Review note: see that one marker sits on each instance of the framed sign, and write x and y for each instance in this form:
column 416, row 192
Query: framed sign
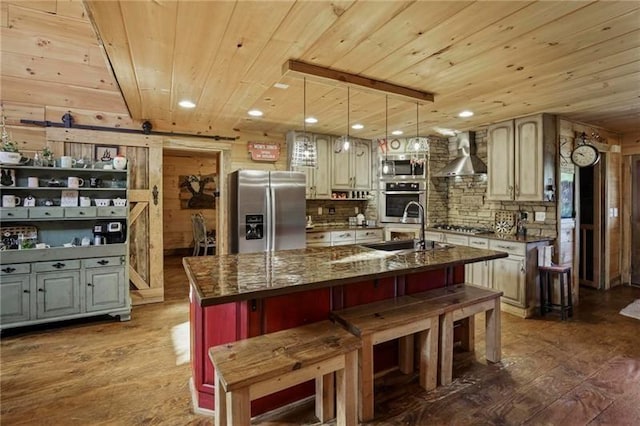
column 106, row 152
column 264, row 151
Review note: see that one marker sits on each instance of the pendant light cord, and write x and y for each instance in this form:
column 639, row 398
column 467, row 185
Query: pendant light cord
column 386, row 128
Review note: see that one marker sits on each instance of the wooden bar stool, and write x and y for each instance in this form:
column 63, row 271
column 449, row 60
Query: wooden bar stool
column 252, row 368
column 547, row 274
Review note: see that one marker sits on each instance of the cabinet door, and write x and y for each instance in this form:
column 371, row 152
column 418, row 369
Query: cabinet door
column 105, row 288
column 340, row 166
column 362, row 165
column 529, row 159
column 14, row 298
column 58, row 294
column 509, row 277
column 478, row 273
column 308, row 177
column 322, row 177
column 500, row 165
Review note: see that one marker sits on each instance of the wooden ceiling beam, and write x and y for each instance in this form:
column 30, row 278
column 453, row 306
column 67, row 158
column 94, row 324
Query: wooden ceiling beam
column 303, row 69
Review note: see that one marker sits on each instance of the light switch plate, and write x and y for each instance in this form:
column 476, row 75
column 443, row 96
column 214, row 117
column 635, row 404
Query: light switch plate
column 540, row 216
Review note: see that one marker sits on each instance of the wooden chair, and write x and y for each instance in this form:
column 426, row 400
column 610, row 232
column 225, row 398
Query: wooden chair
column 252, row 368
column 201, row 240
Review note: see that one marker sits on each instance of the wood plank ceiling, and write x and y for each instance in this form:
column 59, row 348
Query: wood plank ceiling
column 500, row 60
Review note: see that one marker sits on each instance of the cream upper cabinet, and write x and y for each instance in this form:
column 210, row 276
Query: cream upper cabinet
column 318, row 179
column 521, row 158
column 351, row 168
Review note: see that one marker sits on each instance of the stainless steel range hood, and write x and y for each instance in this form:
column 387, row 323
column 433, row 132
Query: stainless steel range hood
column 466, row 162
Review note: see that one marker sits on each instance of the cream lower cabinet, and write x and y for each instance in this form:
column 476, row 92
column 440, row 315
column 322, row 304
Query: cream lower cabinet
column 479, row 273
column 509, row 277
column 345, row 237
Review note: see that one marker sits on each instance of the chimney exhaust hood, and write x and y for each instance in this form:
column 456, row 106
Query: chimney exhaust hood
column 466, row 162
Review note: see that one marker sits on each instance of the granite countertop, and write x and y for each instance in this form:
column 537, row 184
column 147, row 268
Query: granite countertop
column 501, row 237
column 328, row 228
column 235, row 277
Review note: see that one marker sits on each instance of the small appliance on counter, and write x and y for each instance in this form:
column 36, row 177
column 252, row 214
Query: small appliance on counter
column 109, row 232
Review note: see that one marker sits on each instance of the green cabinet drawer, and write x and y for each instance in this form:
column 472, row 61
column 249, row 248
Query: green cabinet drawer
column 56, row 265
column 99, row 262
column 45, row 212
column 15, row 268
column 112, row 211
column 14, row 213
column 74, row 212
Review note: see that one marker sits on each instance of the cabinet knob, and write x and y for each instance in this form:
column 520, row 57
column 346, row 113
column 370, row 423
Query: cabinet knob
column 47, row 214
column 59, row 265
column 9, row 214
column 26, row 291
column 89, row 285
column 8, row 270
column 81, row 213
column 103, row 262
column 41, row 290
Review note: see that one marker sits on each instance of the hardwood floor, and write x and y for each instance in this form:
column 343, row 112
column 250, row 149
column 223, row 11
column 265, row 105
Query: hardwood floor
column 103, row 372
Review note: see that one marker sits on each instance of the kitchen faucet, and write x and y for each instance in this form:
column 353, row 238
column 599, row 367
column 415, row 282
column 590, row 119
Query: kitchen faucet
column 421, row 212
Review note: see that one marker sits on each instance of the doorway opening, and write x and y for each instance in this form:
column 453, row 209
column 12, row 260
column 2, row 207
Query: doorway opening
column 635, row 220
column 191, row 184
column 591, row 249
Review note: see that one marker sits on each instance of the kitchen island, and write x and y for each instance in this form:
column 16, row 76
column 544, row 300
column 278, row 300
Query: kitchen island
column 237, row 296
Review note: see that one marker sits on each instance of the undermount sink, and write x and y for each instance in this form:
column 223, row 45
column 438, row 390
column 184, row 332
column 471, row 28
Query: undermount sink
column 398, row 245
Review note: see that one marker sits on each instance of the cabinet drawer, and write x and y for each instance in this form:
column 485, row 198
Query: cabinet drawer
column 112, row 211
column 14, row 213
column 80, row 212
column 99, row 262
column 343, row 237
column 482, row 243
column 15, row 268
column 433, row 236
column 517, row 249
column 460, row 240
column 318, row 237
column 56, row 265
column 45, row 212
column 369, row 234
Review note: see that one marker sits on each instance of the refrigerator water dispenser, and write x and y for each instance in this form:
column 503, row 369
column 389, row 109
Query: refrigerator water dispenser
column 255, row 226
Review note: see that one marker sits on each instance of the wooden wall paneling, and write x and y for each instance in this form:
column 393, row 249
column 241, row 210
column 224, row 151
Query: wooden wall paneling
column 614, row 250
column 14, row 112
column 177, row 220
column 70, row 9
column 626, row 194
column 24, row 18
column 28, row 139
column 56, row 71
column 43, row 45
column 86, row 117
column 49, row 6
column 4, row 14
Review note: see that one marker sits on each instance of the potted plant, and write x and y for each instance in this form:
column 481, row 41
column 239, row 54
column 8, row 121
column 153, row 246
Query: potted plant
column 47, row 157
column 8, row 150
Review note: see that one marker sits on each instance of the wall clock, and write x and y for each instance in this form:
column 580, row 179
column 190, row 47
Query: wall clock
column 585, row 155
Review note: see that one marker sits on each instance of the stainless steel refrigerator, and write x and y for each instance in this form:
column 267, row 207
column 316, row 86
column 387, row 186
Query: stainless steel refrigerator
column 267, row 211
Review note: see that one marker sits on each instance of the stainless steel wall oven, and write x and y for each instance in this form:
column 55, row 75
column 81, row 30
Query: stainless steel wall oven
column 396, row 195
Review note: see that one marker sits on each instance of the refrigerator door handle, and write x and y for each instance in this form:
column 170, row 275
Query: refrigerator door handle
column 272, row 220
column 268, row 222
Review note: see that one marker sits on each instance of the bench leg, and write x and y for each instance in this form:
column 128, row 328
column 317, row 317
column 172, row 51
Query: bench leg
column 365, row 396
column 469, row 333
column 238, row 408
column 220, row 403
column 492, row 334
column 346, row 391
column 429, row 356
column 446, row 348
column 405, row 346
column 325, row 398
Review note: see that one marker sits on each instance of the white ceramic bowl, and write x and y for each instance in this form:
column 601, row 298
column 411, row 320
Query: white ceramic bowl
column 102, row 202
column 119, row 202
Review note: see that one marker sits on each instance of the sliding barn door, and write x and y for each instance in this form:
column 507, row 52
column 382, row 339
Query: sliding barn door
column 144, row 162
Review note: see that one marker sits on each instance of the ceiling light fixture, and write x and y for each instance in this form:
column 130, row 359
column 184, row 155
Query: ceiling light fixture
column 397, row 132
column 281, row 86
column 465, row 114
column 357, row 126
column 311, row 120
column 343, row 143
column 255, row 113
column 385, row 167
column 185, row 103
column 304, row 151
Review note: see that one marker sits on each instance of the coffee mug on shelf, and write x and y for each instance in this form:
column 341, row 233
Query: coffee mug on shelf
column 32, row 182
column 67, row 161
column 95, row 182
column 10, row 201
column 119, row 162
column 75, row 182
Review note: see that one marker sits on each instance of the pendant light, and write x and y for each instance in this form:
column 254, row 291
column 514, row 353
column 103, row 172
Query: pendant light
column 385, row 167
column 343, row 143
column 304, row 153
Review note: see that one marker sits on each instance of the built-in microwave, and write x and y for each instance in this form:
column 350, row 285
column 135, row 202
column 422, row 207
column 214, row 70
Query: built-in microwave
column 394, row 198
column 401, row 166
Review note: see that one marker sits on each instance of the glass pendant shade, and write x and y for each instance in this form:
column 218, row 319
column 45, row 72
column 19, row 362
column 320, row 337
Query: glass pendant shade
column 304, row 152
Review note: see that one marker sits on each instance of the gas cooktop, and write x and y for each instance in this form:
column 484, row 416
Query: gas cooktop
column 462, row 229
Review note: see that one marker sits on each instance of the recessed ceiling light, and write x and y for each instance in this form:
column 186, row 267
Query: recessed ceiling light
column 445, row 132
column 281, row 86
column 185, row 103
column 311, row 120
column 255, row 113
column 357, row 126
column 397, row 132
column 465, row 114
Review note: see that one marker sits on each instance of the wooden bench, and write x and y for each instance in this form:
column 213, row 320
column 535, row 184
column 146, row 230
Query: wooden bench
column 249, row 369
column 378, row 322
column 462, row 302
